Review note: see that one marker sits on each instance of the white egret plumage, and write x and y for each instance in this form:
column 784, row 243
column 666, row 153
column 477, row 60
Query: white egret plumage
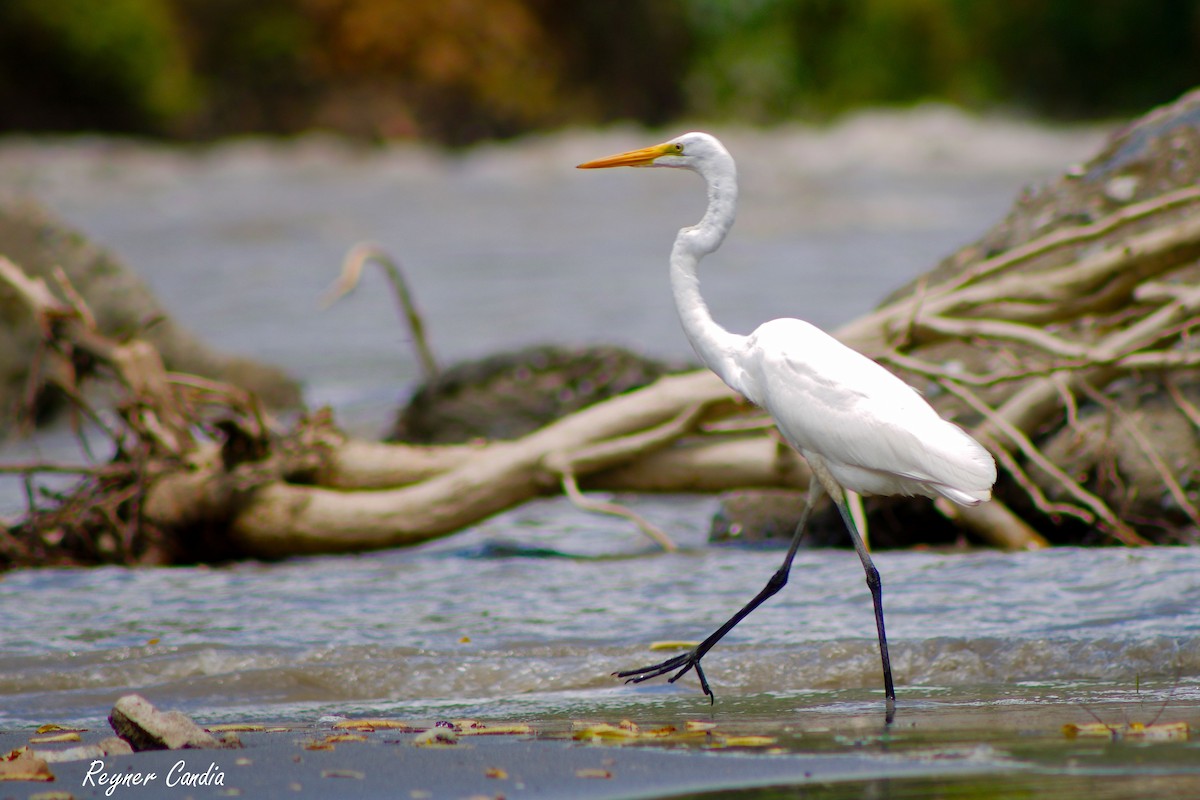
column 859, row 427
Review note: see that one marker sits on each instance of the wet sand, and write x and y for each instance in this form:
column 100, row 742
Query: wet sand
column 927, row 755
column 386, row 764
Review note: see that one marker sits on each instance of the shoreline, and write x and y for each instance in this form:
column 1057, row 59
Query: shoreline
column 1006, row 752
column 300, row 762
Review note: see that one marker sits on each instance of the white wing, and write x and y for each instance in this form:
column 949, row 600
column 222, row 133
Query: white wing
column 874, row 432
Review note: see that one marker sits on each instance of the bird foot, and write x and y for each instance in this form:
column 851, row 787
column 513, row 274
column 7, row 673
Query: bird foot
column 680, row 664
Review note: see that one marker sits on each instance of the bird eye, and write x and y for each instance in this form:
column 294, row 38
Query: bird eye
column 679, row 147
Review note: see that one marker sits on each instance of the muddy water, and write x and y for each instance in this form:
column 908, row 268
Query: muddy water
column 526, row 614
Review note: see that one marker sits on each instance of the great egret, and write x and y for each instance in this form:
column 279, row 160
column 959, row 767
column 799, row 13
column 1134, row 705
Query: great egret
column 859, row 427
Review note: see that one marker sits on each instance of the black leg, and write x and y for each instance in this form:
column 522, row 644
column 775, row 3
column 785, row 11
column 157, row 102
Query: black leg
column 691, row 660
column 876, row 587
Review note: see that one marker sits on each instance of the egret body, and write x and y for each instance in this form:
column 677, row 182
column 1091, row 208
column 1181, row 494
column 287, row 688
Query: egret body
column 859, row 427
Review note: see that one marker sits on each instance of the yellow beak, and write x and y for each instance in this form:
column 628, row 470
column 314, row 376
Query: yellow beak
column 634, row 158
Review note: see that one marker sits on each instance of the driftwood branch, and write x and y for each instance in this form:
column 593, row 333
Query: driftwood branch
column 581, row 501
column 1148, row 450
column 615, row 451
column 1014, row 435
column 352, row 266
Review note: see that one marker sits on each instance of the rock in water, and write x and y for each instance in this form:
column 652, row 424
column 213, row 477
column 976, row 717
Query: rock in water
column 509, row 395
column 146, row 728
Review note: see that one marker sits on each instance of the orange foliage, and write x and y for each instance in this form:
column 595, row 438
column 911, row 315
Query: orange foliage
column 492, row 55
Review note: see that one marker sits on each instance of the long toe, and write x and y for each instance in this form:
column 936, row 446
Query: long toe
column 654, row 670
column 704, row 687
column 645, row 673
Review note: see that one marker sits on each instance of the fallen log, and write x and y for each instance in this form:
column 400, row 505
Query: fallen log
column 287, row 519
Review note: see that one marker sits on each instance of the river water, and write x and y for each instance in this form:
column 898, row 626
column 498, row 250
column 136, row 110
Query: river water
column 526, row 614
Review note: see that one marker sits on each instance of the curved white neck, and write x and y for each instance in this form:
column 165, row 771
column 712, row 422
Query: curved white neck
column 713, row 344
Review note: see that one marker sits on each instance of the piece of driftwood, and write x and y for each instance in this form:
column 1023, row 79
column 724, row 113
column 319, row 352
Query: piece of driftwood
column 287, row 518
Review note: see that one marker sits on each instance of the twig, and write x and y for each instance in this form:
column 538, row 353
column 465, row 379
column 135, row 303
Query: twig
column 1118, row 529
column 571, row 490
column 1160, row 291
column 743, row 424
column 1189, row 410
column 937, row 372
column 226, row 397
column 1068, row 401
column 1135, row 433
column 616, row 451
column 74, row 299
column 31, row 467
column 33, row 291
column 1032, row 403
column 918, row 299
column 1004, row 330
column 1160, row 359
column 30, row 500
column 209, row 386
column 1162, row 324
column 1074, row 355
column 1095, row 282
column 1040, row 501
column 1066, row 237
column 352, row 266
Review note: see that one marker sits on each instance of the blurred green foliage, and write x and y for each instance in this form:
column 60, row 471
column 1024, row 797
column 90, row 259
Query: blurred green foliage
column 460, row 70
column 769, row 60
column 107, row 64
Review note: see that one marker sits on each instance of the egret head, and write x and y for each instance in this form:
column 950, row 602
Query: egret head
column 691, row 151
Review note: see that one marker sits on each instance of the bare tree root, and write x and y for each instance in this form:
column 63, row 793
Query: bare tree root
column 1004, row 287
column 1148, row 450
column 1098, row 508
column 1050, row 322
